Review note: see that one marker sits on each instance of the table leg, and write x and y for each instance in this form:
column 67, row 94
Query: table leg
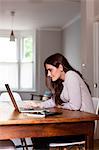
column 90, row 139
column 89, row 143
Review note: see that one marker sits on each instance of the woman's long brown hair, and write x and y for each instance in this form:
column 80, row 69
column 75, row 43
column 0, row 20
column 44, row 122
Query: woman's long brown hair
column 56, row 60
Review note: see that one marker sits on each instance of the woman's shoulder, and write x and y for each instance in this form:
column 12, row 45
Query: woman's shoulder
column 71, row 73
column 71, row 77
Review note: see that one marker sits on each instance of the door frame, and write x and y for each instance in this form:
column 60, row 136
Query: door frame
column 95, row 57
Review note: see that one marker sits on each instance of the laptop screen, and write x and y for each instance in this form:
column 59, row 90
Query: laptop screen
column 12, row 97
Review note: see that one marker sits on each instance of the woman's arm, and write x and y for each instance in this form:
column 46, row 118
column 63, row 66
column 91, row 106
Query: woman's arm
column 45, row 104
column 50, row 103
column 41, row 104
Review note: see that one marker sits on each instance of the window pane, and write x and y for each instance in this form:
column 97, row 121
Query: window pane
column 9, row 74
column 26, row 75
column 8, row 52
column 27, row 49
column 16, row 63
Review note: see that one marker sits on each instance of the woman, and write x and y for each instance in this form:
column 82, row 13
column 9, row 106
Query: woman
column 70, row 91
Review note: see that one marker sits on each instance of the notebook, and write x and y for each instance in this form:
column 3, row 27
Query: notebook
column 32, row 112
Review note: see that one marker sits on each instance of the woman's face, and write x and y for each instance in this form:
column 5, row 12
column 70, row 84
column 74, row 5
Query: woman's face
column 53, row 72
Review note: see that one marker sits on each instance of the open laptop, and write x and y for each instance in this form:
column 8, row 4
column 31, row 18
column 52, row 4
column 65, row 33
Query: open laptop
column 18, row 108
column 35, row 112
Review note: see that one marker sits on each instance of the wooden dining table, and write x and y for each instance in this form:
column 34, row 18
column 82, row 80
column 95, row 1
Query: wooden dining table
column 19, row 125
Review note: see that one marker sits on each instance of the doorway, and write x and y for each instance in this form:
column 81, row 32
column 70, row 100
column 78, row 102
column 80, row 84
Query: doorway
column 96, row 58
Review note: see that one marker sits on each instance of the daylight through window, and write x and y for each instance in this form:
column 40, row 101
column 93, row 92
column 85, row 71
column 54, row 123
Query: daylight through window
column 17, row 63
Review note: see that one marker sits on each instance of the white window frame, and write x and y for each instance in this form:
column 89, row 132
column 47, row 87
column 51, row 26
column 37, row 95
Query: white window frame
column 19, row 36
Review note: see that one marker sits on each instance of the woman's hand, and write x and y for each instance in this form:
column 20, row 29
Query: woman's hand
column 59, row 106
column 31, row 104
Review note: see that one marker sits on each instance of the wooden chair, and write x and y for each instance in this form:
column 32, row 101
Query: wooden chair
column 34, row 96
column 47, row 94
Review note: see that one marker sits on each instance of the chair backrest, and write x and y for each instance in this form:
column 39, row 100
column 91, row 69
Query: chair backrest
column 96, row 107
column 96, row 104
column 5, row 97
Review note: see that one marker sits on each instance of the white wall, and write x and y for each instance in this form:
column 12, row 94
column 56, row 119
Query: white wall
column 48, row 43
column 72, row 42
column 87, row 40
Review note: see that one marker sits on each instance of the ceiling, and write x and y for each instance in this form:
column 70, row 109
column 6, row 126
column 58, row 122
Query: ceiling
column 30, row 14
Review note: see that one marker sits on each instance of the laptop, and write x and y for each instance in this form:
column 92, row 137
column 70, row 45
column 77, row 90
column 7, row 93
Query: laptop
column 17, row 107
column 35, row 112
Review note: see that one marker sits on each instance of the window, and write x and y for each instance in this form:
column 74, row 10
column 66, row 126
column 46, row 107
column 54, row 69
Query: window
column 17, row 63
